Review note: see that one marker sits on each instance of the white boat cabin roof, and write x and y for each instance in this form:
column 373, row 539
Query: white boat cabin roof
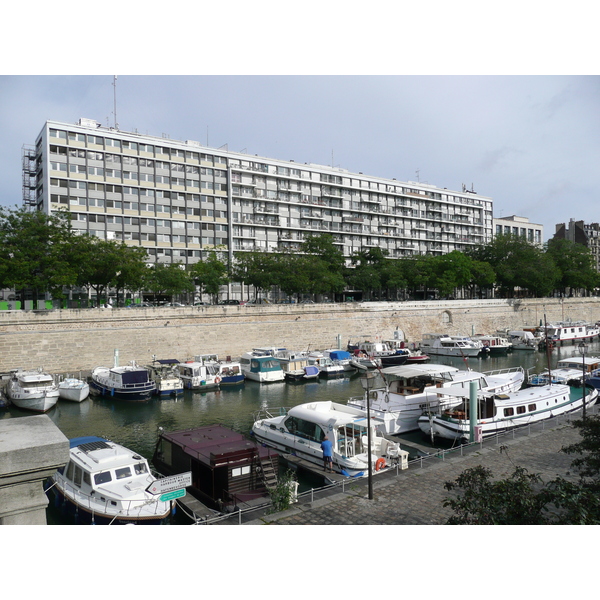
column 407, row 371
column 329, row 413
column 100, row 455
column 577, row 361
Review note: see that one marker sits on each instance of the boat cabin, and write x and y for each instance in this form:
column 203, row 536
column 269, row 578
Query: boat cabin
column 227, row 468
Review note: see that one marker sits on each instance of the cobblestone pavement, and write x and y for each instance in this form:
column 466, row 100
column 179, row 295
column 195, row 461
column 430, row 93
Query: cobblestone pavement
column 415, row 496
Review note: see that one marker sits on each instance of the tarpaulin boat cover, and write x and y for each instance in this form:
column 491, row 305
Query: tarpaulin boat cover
column 339, row 355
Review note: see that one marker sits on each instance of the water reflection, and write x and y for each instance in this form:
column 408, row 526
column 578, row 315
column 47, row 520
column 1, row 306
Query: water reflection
column 135, row 425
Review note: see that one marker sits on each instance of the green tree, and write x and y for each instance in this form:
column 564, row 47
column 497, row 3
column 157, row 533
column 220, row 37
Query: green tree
column 575, row 264
column 518, row 264
column 210, row 274
column 367, row 270
column 168, row 279
column 37, row 251
column 254, row 268
column 517, row 500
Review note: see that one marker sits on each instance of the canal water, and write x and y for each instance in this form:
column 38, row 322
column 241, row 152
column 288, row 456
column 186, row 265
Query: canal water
column 136, row 425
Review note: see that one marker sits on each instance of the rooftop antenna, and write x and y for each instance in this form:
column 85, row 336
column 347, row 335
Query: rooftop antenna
column 417, row 172
column 115, row 100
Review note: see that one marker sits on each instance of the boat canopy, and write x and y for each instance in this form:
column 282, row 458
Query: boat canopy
column 339, row 355
column 407, row 371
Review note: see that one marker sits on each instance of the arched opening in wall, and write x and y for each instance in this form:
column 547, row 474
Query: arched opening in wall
column 447, row 317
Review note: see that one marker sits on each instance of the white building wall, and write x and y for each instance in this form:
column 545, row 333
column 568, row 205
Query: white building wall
column 177, row 199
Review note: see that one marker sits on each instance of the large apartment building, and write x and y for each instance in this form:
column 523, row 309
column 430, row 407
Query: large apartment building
column 179, row 199
column 520, row 226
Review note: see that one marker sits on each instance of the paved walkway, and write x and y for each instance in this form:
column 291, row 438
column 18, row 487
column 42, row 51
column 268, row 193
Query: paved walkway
column 415, row 496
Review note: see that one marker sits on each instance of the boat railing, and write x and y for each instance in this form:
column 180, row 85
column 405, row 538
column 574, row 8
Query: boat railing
column 246, row 515
column 129, row 507
column 504, row 371
column 269, row 413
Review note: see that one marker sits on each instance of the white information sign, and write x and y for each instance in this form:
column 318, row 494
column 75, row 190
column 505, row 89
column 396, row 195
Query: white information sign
column 170, row 484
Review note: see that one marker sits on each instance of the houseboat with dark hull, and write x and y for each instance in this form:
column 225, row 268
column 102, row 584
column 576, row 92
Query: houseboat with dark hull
column 228, row 470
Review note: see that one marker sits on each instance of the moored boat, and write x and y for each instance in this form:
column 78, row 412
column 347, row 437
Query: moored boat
column 228, row 470
column 73, row 389
column 326, row 366
column 301, row 430
column 497, row 413
column 130, row 382
column 397, row 398
column 198, row 375
column 105, row 483
column 446, row 345
column 32, row 390
column 165, row 376
column 262, row 366
column 496, row 344
column 228, row 371
column 559, row 333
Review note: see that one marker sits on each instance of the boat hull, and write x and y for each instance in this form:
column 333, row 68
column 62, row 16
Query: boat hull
column 121, row 394
column 74, row 393
column 36, row 403
column 459, row 429
column 85, row 515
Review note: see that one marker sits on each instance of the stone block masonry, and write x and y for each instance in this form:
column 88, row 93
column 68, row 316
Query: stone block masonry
column 79, row 340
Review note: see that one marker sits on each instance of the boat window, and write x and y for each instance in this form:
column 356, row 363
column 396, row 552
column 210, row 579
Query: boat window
column 509, row 412
column 240, row 471
column 70, row 471
column 531, row 407
column 100, row 478
column 520, row 410
column 77, row 476
column 86, row 478
column 123, row 473
column 304, row 429
column 140, row 468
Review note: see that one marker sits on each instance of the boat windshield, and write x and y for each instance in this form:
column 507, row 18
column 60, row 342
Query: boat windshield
column 140, row 468
column 123, row 472
column 104, row 477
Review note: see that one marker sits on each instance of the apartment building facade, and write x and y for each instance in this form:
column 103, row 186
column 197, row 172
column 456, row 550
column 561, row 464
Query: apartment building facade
column 180, row 199
column 520, row 226
column 580, row 232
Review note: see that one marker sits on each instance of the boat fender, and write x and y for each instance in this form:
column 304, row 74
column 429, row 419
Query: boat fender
column 345, row 473
column 217, row 379
column 380, row 464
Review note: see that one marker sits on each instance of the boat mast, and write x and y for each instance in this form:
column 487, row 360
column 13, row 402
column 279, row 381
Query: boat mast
column 547, row 351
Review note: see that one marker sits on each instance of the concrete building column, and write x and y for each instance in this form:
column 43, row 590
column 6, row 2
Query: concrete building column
column 31, row 450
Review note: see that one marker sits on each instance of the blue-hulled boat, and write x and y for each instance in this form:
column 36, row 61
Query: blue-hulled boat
column 130, row 382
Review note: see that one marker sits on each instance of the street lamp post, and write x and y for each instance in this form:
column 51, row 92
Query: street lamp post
column 582, row 349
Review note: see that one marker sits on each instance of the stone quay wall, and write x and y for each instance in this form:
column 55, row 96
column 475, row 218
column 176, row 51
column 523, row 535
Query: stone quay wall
column 68, row 341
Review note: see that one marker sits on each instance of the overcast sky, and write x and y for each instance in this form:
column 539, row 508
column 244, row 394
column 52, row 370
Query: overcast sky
column 530, row 142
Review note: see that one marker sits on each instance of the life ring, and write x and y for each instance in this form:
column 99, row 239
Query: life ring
column 217, row 379
column 380, row 464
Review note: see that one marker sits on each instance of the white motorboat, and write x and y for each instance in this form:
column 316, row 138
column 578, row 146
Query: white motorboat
column 298, row 368
column 32, row 390
column 398, row 397
column 198, row 375
column 325, row 364
column 261, row 365
column 301, row 431
column 73, row 389
column 165, row 376
column 340, row 357
column 557, row 333
column 446, row 345
column 497, row 413
column 496, row 344
column 523, row 340
column 570, row 371
column 106, row 483
column 229, row 371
